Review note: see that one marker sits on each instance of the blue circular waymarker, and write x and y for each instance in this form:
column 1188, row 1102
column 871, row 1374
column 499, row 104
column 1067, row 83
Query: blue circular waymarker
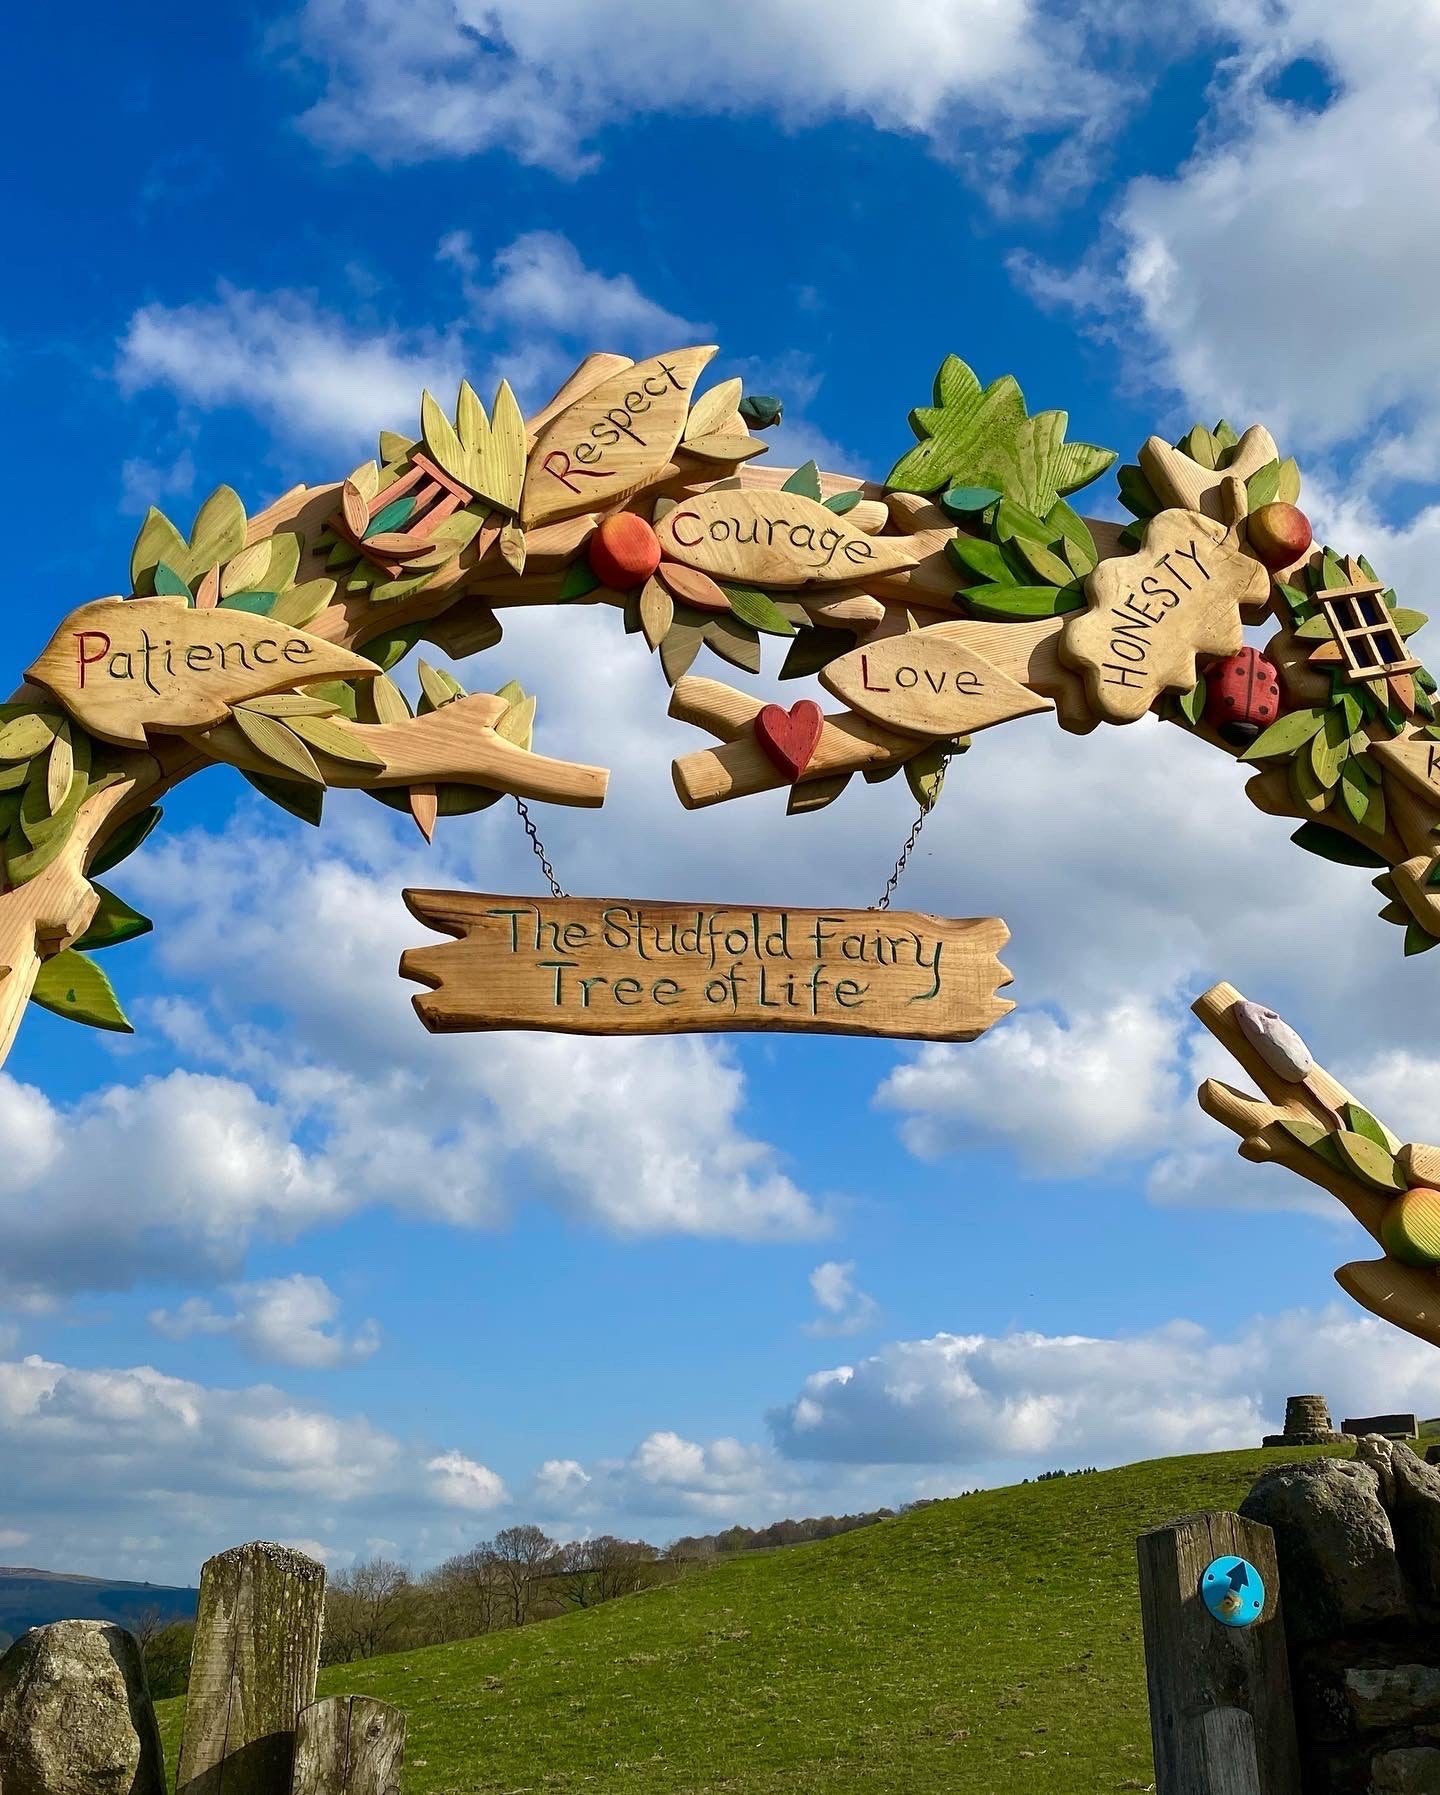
column 1234, row 1591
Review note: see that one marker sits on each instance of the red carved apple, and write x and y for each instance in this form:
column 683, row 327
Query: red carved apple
column 1410, row 1227
column 623, row 552
column 1278, row 534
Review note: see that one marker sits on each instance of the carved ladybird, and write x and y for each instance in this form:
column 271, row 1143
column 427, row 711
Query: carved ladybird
column 1242, row 695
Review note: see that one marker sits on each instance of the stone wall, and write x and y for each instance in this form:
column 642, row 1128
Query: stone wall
column 1358, row 1544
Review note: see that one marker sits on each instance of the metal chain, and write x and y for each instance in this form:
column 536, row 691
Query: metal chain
column 538, row 849
column 883, row 902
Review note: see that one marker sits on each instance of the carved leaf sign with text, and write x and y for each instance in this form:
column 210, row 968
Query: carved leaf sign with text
column 776, row 539
column 615, row 440
column 1152, row 612
column 625, row 966
column 122, row 666
column 927, row 684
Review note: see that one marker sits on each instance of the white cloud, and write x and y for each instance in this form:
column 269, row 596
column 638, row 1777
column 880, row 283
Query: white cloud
column 195, row 1165
column 283, row 1321
column 1281, row 271
column 153, row 1431
column 1063, row 1096
column 541, row 79
column 307, row 370
column 315, row 375
column 541, row 285
column 1050, row 1399
column 458, row 1482
column 353, row 1106
column 844, row 1309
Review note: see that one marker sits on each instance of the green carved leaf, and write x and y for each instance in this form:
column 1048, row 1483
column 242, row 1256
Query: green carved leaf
column 123, row 843
column 71, row 985
column 114, row 921
column 168, row 583
column 813, row 649
column 1288, row 733
column 1331, row 844
column 977, row 555
column 157, row 541
column 1005, row 603
column 304, row 801
column 758, row 610
column 218, row 533
column 805, row 480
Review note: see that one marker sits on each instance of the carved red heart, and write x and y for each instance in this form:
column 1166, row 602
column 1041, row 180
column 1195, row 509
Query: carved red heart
column 790, row 737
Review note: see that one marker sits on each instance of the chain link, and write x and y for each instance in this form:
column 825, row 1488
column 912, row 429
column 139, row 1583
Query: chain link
column 538, row 849
column 883, row 901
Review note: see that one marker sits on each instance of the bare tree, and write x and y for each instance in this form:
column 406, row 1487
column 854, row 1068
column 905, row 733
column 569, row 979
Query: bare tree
column 468, row 1593
column 589, row 1571
column 366, row 1606
column 524, row 1558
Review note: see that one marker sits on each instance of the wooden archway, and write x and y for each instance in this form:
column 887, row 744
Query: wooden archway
column 959, row 593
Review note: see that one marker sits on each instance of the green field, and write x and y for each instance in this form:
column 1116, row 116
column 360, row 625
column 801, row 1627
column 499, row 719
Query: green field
column 987, row 1644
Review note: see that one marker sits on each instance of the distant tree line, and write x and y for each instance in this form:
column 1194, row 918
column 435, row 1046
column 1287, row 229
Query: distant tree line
column 520, row 1575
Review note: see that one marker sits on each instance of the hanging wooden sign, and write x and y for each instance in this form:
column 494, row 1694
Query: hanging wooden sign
column 928, row 684
column 776, row 539
column 121, row 666
column 613, row 441
column 1152, row 612
column 626, row 966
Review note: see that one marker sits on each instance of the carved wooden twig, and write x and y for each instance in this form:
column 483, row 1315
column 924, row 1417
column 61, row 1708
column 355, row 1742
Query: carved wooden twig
column 1407, row 1296
column 847, row 744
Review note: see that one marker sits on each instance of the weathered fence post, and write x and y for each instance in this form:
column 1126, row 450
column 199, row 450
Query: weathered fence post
column 349, row 1745
column 256, row 1654
column 1221, row 1716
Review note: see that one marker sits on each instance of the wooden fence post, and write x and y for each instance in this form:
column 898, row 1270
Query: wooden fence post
column 256, row 1654
column 349, row 1745
column 1221, row 1717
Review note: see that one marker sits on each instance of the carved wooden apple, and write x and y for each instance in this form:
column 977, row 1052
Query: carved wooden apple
column 1410, row 1227
column 623, row 552
column 1278, row 534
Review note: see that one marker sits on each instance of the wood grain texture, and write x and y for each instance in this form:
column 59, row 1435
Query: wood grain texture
column 454, row 745
column 51, row 911
column 776, row 539
column 122, row 666
column 1030, row 653
column 1319, row 1100
column 712, row 775
column 349, row 1745
column 925, row 683
column 1149, row 614
column 1188, row 486
column 614, row 440
column 626, row 966
column 1405, row 1295
column 1416, row 760
column 1200, row 1674
column 253, row 1668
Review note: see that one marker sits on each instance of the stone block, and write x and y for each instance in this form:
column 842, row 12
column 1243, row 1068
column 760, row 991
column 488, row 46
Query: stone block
column 75, row 1714
column 1336, row 1550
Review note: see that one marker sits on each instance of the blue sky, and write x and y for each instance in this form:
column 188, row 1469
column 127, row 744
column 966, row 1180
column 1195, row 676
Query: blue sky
column 284, row 1265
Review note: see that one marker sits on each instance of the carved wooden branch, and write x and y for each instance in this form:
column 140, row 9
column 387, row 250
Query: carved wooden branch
column 1405, row 1295
column 847, row 744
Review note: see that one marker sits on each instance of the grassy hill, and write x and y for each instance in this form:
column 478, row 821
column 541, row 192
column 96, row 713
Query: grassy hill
column 989, row 1643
